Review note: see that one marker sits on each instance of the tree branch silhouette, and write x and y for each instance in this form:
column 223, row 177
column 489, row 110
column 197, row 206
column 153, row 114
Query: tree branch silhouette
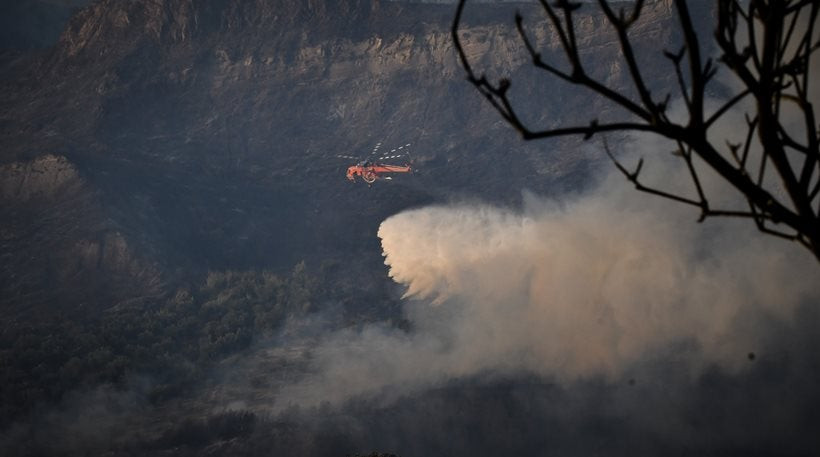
column 766, row 44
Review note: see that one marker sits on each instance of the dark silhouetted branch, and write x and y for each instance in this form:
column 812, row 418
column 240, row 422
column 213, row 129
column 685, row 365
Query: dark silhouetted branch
column 766, row 44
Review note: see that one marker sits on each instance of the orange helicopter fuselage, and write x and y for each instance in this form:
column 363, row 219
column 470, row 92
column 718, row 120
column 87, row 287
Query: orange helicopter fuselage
column 370, row 173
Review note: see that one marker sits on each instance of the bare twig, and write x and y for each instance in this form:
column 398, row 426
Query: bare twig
column 769, row 30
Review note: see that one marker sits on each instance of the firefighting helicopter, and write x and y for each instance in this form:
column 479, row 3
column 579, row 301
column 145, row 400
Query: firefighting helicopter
column 371, row 168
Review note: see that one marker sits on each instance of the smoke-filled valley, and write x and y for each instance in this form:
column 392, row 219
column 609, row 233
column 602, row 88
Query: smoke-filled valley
column 186, row 270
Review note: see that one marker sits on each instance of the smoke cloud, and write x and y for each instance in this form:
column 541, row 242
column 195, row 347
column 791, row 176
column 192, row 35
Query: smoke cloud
column 608, row 284
column 600, row 286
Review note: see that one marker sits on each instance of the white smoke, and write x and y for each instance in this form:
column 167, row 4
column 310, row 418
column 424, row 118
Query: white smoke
column 602, row 285
column 594, row 287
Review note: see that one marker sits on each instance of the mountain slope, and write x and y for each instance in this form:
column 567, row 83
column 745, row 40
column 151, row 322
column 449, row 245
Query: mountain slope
column 159, row 141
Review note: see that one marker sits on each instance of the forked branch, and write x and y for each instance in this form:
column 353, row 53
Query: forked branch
column 766, row 44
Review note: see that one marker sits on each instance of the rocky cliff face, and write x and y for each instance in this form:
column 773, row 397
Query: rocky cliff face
column 203, row 134
column 58, row 246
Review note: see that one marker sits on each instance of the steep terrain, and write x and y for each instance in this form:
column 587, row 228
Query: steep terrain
column 173, row 158
column 210, row 129
column 58, row 245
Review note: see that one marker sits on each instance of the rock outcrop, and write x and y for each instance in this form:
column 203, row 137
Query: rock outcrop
column 57, row 246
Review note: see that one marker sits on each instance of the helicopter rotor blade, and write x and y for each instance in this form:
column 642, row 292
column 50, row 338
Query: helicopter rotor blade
column 375, row 149
column 400, row 151
column 395, row 153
